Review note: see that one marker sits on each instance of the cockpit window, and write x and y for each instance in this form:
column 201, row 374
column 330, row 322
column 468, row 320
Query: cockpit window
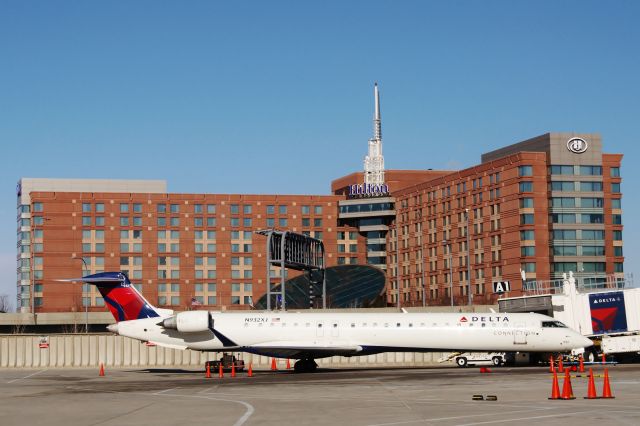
column 549, row 324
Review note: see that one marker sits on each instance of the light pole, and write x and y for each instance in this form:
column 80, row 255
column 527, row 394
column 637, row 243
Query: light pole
column 86, row 305
column 466, row 215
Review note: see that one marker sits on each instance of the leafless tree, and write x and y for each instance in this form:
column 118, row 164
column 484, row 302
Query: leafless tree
column 5, row 303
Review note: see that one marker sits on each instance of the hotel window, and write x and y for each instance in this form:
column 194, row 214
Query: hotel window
column 563, row 202
column 175, row 300
column 271, row 209
column 563, row 218
column 86, row 207
column 317, row 209
column 211, row 221
column 197, row 208
column 99, row 234
column 161, row 208
column 211, row 248
column 137, row 208
column 282, row 209
column 174, row 221
column 529, row 267
column 593, row 250
column 617, row 235
column 124, row 221
column 592, row 218
column 565, row 251
column 594, row 266
column 271, row 222
column 616, row 203
column 565, row 267
column 162, row 260
column 99, row 220
column 246, row 209
column 317, row 223
column 526, row 203
column 591, row 186
column 99, row 248
column 86, row 234
column 162, row 221
column 615, row 172
column 617, row 219
column 523, row 171
column 594, row 234
column 306, row 210
column 247, row 248
column 162, row 247
column 561, row 170
column 526, row 186
column 235, row 222
column 246, row 222
column 174, row 208
column 235, row 209
column 563, row 186
column 175, row 234
column 211, row 208
column 162, row 235
column 591, row 170
column 615, row 188
column 211, row 235
column 563, row 234
column 124, row 208
column 282, row 222
column 527, row 251
column 526, row 219
column 618, row 267
column 197, row 221
column 86, row 220
column 617, row 251
column 591, row 202
column 137, row 221
column 211, row 300
column 306, row 222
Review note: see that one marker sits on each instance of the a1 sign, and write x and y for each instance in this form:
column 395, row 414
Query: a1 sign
column 501, row 286
column 44, row 342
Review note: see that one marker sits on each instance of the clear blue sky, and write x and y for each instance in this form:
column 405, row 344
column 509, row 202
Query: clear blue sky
column 217, row 96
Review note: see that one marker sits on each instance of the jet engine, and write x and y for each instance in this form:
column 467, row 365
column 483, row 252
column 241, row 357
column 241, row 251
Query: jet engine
column 189, row 322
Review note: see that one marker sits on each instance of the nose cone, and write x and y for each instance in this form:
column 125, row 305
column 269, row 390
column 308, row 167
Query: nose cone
column 586, row 342
column 113, row 328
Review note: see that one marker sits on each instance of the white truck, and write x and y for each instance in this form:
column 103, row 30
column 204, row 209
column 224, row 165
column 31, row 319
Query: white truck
column 605, row 309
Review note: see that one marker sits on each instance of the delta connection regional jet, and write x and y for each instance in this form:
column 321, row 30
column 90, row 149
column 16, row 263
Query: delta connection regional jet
column 311, row 335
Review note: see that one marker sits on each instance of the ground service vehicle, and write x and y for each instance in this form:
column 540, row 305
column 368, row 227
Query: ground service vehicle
column 480, row 358
column 227, row 360
column 604, row 309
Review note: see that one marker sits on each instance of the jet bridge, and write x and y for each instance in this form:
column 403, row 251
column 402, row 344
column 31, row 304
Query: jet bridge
column 293, row 251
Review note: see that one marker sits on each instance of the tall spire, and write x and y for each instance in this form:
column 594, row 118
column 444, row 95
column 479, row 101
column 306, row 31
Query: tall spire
column 374, row 161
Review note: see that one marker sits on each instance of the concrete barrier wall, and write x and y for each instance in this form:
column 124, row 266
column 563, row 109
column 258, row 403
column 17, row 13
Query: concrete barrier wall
column 89, row 350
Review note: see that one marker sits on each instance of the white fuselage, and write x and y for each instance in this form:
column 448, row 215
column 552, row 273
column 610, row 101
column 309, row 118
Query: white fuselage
column 330, row 333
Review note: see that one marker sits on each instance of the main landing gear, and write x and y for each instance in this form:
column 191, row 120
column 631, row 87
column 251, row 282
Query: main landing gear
column 305, row 366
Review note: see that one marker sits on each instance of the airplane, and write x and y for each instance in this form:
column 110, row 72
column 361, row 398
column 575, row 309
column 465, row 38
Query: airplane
column 307, row 336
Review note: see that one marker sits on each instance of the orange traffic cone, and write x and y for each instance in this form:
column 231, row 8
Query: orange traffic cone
column 208, row 375
column 581, row 366
column 288, row 364
column 591, row 389
column 250, row 373
column 560, row 365
column 101, row 369
column 220, row 372
column 233, row 369
column 606, row 387
column 552, row 364
column 274, row 367
column 567, row 390
column 555, row 388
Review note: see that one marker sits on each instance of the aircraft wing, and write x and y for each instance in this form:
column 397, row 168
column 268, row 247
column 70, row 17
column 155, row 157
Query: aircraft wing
column 298, row 350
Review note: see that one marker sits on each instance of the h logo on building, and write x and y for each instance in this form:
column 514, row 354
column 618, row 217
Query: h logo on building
column 577, row 145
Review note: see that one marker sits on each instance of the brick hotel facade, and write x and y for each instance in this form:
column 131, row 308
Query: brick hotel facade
column 533, row 206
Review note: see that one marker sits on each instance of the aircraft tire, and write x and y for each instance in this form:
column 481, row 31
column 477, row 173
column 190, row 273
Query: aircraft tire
column 461, row 361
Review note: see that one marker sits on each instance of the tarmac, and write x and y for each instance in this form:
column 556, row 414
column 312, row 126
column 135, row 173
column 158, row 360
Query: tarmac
column 380, row 397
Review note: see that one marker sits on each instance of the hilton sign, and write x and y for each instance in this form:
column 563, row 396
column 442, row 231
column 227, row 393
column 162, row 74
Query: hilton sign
column 368, row 190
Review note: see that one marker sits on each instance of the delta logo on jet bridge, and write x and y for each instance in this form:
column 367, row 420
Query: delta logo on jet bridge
column 485, row 319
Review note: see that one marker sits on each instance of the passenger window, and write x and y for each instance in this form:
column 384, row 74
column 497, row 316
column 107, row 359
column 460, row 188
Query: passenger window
column 352, row 325
column 397, row 324
column 335, row 325
column 410, row 325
